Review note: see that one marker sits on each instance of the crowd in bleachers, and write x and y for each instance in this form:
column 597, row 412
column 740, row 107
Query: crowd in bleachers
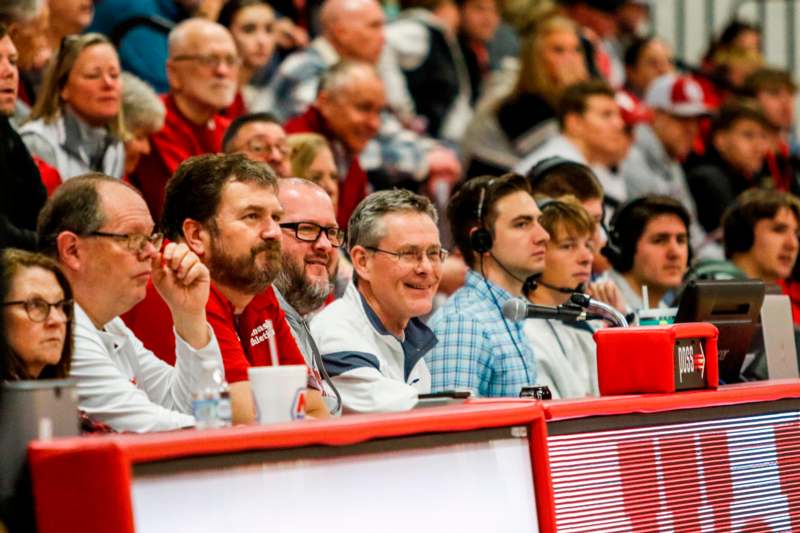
column 363, row 188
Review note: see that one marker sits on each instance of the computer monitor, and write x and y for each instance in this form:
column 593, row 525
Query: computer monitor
column 733, row 306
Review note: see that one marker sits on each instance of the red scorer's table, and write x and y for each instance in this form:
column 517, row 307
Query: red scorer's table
column 724, row 460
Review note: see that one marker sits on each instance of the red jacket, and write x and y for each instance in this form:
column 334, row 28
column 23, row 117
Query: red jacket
column 353, row 188
column 178, row 140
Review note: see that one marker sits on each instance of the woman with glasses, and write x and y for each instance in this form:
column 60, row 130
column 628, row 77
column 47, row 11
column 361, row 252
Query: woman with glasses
column 76, row 125
column 252, row 24
column 37, row 312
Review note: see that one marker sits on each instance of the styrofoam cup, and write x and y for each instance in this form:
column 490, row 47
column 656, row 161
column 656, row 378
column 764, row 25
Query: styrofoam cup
column 278, row 392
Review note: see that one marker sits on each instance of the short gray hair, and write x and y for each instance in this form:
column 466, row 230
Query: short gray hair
column 12, row 11
column 365, row 227
column 141, row 107
column 344, row 73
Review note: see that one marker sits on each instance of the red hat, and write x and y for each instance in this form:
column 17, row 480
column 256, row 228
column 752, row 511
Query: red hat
column 677, row 95
column 633, row 111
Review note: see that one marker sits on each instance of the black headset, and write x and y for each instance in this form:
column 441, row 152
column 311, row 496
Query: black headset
column 619, row 252
column 481, row 239
column 541, row 169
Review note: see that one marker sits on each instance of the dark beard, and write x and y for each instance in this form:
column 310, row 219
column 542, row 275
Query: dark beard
column 303, row 296
column 242, row 273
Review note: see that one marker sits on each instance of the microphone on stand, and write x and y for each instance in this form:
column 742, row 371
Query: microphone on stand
column 598, row 308
column 517, row 309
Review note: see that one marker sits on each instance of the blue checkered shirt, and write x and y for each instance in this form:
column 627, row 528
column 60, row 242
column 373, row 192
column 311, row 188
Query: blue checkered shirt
column 475, row 350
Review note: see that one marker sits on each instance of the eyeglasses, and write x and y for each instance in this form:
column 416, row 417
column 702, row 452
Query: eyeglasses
column 310, row 232
column 260, row 147
column 413, row 256
column 211, row 61
column 38, row 309
column 134, row 242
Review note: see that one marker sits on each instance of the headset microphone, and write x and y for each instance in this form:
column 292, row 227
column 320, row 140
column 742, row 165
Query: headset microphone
column 581, row 287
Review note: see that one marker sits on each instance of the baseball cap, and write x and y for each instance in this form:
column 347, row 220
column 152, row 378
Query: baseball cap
column 677, row 95
column 633, row 111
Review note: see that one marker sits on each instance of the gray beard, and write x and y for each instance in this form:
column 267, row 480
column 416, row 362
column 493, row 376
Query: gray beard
column 305, row 297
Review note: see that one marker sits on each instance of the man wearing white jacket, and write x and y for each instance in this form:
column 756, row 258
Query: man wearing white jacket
column 100, row 231
column 371, row 340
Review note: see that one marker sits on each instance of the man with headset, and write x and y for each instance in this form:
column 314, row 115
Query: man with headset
column 648, row 245
column 495, row 224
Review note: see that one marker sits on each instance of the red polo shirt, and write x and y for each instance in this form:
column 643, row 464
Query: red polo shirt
column 243, row 340
column 178, row 140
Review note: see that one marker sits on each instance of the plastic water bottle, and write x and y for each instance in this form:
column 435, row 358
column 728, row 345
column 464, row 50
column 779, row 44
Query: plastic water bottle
column 224, row 411
column 206, row 398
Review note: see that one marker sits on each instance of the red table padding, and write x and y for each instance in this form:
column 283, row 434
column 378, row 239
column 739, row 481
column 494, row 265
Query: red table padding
column 84, row 484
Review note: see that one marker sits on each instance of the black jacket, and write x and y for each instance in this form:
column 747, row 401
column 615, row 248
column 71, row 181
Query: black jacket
column 22, row 193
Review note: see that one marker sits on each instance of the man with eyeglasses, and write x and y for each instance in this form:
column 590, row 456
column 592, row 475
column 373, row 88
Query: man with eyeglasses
column 202, row 70
column 260, row 137
column 101, row 233
column 225, row 208
column 371, row 339
column 310, row 241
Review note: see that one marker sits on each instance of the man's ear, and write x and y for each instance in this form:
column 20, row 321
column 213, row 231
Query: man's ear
column 196, row 237
column 172, row 76
column 573, row 123
column 69, row 251
column 360, row 258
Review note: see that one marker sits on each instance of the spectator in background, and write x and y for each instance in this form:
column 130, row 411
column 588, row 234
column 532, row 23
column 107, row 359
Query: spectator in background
column 76, row 125
column 225, row 209
column 424, row 42
column 737, row 50
column 350, row 31
column 354, row 31
column 495, row 224
column 732, row 163
column 139, row 30
column 648, row 245
column 507, row 128
column 37, row 317
column 592, row 133
column 646, row 59
column 311, row 159
column 371, row 339
column 100, row 231
column 27, row 24
column 252, row 25
column 596, row 19
column 653, row 165
column 260, row 137
column 22, row 193
column 347, row 112
column 68, row 17
column 479, row 20
column 144, row 115
column 775, row 91
column 565, row 351
column 202, row 70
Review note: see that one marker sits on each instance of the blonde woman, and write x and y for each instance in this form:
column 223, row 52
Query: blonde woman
column 311, row 158
column 513, row 123
column 76, row 125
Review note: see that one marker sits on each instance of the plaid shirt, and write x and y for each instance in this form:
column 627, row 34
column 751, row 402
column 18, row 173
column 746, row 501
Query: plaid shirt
column 397, row 153
column 475, row 350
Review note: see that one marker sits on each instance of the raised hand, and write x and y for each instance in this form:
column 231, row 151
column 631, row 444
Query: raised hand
column 183, row 282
